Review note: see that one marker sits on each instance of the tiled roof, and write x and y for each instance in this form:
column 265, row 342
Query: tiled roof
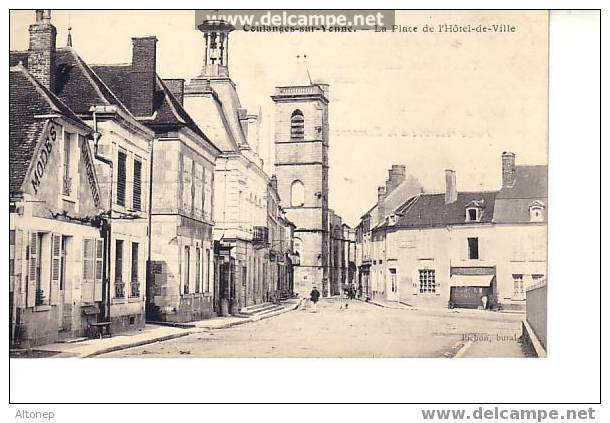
column 430, row 210
column 513, row 204
column 530, row 182
column 167, row 111
column 28, row 99
column 76, row 84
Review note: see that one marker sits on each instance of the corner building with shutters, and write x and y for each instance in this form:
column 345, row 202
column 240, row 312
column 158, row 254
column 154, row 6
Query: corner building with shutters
column 78, row 197
column 301, row 166
column 56, row 251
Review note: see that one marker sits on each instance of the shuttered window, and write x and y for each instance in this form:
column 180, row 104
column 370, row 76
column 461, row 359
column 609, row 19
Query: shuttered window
column 33, row 271
column 99, row 269
column 55, row 268
column 121, row 178
column 297, row 126
column 137, row 184
column 88, row 278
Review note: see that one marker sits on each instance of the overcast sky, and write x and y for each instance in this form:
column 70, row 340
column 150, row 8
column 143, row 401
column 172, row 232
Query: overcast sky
column 429, row 101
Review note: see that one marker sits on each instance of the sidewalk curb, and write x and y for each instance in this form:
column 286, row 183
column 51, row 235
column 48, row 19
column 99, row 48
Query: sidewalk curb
column 190, row 331
column 375, row 303
column 138, row 343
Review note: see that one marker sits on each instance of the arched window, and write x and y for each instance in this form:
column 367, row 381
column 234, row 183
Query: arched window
column 297, row 126
column 297, row 194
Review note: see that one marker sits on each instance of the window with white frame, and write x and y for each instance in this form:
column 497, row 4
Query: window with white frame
column 472, row 214
column 518, row 287
column 536, row 212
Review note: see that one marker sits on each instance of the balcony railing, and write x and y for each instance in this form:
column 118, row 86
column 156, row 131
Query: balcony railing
column 304, row 90
column 260, row 235
column 119, row 289
column 67, row 186
column 134, row 289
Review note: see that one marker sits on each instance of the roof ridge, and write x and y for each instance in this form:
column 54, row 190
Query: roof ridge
column 491, row 191
column 83, row 66
column 110, row 64
column 101, row 81
column 171, row 105
column 49, row 96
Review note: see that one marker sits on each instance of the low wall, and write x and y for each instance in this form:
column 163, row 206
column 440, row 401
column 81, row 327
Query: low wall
column 536, row 310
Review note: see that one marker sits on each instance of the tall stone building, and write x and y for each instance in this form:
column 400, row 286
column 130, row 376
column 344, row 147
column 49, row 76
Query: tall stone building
column 241, row 234
column 301, row 165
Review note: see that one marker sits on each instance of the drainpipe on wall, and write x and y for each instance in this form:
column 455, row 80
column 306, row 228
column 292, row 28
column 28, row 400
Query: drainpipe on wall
column 147, row 292
column 106, row 229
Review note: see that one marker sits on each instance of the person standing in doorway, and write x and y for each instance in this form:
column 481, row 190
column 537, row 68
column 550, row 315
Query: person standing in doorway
column 314, row 296
column 484, row 301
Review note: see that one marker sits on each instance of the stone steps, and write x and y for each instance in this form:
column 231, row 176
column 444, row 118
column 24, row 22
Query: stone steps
column 259, row 309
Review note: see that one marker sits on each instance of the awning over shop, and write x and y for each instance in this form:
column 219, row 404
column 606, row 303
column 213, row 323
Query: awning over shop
column 470, row 280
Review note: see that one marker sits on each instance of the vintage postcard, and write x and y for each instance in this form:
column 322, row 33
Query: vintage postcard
column 255, row 183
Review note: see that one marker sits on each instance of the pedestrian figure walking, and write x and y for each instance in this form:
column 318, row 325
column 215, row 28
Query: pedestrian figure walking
column 314, row 296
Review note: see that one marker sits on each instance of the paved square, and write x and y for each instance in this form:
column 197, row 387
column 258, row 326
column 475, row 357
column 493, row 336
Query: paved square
column 362, row 330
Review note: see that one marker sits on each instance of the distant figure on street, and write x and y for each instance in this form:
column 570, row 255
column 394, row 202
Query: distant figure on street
column 484, row 301
column 314, row 295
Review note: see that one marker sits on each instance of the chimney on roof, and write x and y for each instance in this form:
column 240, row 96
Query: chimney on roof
column 396, row 176
column 450, row 187
column 176, row 87
column 381, row 194
column 508, row 169
column 41, row 54
column 143, row 75
column 252, row 126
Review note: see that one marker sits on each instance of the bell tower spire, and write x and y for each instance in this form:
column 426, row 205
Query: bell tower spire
column 216, row 52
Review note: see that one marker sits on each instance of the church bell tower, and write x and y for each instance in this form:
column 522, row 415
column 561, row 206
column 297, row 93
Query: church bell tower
column 301, row 166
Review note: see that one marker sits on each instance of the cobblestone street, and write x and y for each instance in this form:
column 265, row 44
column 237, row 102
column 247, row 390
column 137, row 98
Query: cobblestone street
column 361, row 330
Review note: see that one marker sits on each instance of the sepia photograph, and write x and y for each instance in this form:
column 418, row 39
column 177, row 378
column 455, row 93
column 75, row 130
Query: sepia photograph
column 298, row 191
column 312, row 206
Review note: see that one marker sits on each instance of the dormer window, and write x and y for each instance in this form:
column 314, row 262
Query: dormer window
column 474, row 211
column 536, row 212
column 472, row 214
